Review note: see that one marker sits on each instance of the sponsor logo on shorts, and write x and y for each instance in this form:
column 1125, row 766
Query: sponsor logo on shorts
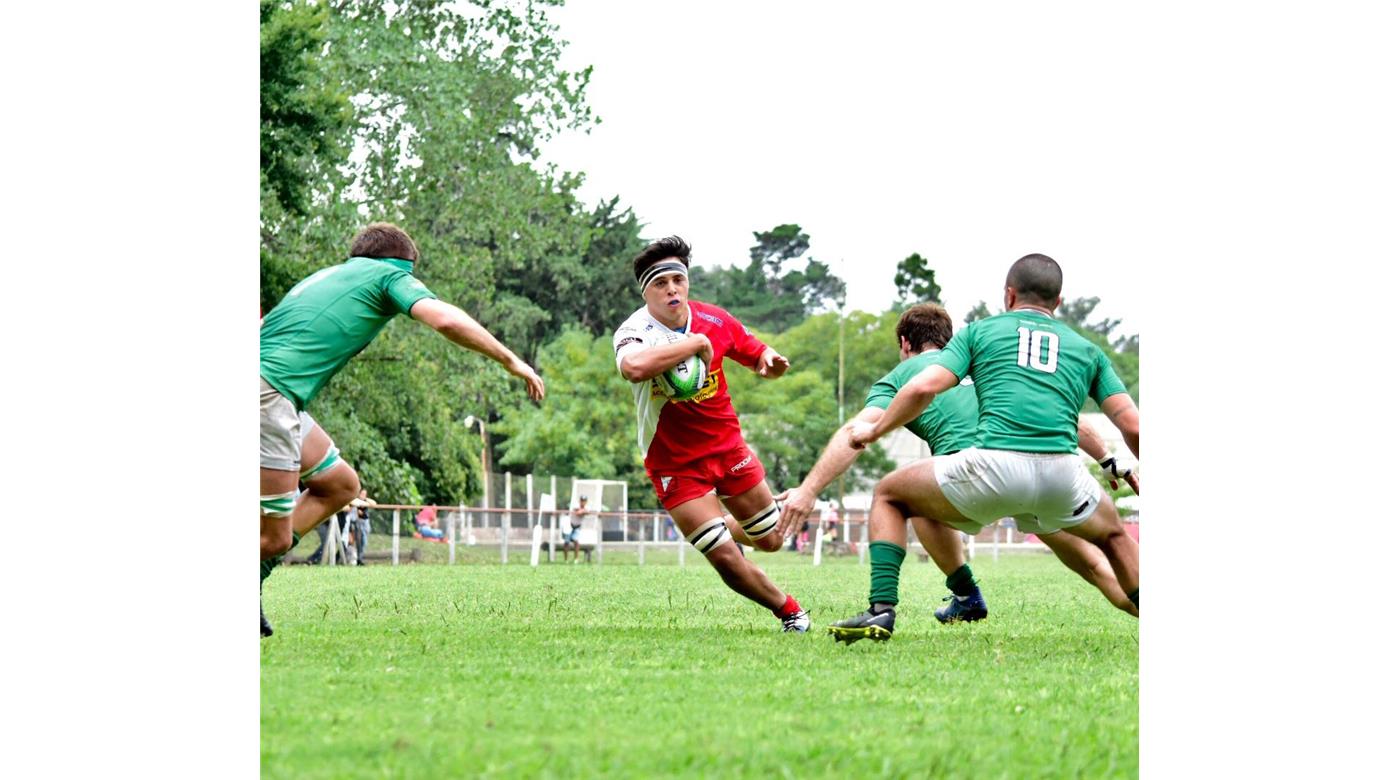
column 741, row 464
column 665, row 484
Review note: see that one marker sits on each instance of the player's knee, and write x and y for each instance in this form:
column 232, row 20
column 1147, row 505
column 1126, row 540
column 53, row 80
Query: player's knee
column 338, row 485
column 887, row 490
column 761, row 528
column 275, row 512
column 347, row 483
column 728, row 562
column 769, row 543
column 276, row 540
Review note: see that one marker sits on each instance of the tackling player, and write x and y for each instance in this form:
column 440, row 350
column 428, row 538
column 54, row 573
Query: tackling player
column 693, row 450
column 948, row 425
column 1032, row 375
column 322, row 322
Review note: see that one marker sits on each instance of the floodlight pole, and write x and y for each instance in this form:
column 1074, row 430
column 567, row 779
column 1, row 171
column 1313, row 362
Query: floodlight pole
column 841, row 391
column 485, row 472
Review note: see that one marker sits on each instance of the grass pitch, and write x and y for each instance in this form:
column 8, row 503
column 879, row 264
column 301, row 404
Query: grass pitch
column 628, row 671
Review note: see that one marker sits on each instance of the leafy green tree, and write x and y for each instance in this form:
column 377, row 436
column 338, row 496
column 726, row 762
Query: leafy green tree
column 607, row 294
column 978, row 312
column 448, row 105
column 1122, row 354
column 304, row 114
column 914, row 283
column 1077, row 312
column 871, row 351
column 769, row 294
column 787, row 421
column 588, row 428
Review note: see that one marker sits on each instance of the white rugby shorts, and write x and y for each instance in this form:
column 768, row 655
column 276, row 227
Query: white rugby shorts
column 1044, row 491
column 280, row 431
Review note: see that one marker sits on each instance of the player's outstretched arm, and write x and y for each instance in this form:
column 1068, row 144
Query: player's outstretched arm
column 643, row 364
column 1123, row 413
column 459, row 328
column 834, row 461
column 908, row 403
column 1095, row 447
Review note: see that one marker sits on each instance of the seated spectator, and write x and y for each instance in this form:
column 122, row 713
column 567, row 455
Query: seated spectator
column 427, row 526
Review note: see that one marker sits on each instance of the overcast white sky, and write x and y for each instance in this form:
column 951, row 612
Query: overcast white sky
column 971, row 135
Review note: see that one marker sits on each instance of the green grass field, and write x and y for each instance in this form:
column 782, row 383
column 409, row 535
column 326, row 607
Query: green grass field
column 628, row 671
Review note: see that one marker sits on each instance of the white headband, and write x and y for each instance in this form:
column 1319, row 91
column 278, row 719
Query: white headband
column 668, row 267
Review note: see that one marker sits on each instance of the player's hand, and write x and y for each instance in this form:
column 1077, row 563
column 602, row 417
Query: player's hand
column 771, row 365
column 861, row 433
column 1115, row 471
column 534, row 386
column 706, row 350
column 797, row 506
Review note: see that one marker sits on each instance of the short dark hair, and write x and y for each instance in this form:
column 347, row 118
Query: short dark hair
column 1037, row 277
column 925, row 325
column 384, row 239
column 670, row 246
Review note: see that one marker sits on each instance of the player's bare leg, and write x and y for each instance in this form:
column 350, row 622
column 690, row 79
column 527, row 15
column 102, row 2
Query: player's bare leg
column 750, row 507
column 701, row 521
column 1104, row 529
column 944, row 544
column 1089, row 562
column 326, row 492
column 276, row 530
column 275, row 522
column 945, row 547
column 909, row 491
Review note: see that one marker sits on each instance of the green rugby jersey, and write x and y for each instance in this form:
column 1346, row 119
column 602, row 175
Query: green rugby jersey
column 949, row 424
column 328, row 317
column 1033, row 373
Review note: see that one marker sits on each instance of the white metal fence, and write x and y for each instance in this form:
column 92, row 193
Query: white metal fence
column 534, row 533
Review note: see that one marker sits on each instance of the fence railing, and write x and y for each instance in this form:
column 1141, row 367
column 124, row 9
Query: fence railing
column 506, row 535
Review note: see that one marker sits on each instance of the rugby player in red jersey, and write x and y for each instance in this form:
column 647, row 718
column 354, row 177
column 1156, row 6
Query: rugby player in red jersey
column 693, row 449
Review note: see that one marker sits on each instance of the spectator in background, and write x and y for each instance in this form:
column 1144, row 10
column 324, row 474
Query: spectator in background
column 576, row 517
column 359, row 516
column 426, row 523
column 324, row 531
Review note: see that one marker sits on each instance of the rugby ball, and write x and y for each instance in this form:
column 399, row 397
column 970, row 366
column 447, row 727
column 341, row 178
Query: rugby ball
column 684, row 381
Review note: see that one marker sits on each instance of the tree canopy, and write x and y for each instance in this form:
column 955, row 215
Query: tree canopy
column 913, row 282
column 771, row 293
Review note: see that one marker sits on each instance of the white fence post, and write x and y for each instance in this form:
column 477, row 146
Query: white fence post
column 553, row 516
column 680, row 546
column 505, row 524
column 817, row 545
column 333, row 540
column 553, row 533
column 655, row 527
column 452, row 522
column 535, row 544
column 864, row 538
column 971, row 542
column 395, row 555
